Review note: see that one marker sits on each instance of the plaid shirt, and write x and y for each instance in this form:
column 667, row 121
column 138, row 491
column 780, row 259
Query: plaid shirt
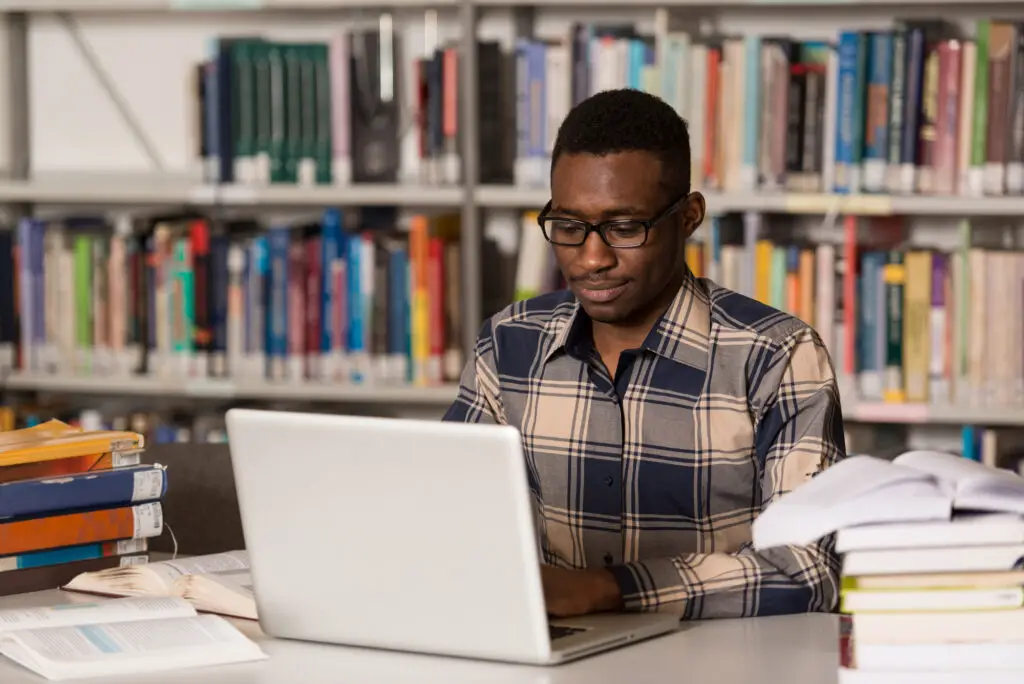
column 658, row 473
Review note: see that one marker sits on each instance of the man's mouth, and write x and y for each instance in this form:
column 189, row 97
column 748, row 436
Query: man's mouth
column 601, row 292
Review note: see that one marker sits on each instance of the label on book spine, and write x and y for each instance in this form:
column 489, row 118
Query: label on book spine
column 134, row 560
column 124, row 459
column 149, row 520
column 149, row 484
column 130, row 546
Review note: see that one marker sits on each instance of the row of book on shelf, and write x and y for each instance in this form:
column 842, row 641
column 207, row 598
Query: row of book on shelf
column 923, row 107
column 364, row 301
column 918, row 108
column 932, row 553
column 184, row 296
column 904, row 324
column 329, row 112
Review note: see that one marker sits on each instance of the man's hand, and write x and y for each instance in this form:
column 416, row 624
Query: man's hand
column 569, row 593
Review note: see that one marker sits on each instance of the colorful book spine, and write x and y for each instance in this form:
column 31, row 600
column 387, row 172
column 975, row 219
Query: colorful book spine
column 72, row 554
column 73, row 529
column 82, row 491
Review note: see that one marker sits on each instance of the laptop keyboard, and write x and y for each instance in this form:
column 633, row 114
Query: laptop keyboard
column 558, row 631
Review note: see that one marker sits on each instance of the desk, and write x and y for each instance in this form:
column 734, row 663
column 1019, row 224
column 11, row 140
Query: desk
column 798, row 649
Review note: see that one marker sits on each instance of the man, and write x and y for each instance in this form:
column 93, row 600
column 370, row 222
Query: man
column 659, row 412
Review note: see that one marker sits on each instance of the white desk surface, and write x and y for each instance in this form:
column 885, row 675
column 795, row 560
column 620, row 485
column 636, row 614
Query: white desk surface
column 798, row 649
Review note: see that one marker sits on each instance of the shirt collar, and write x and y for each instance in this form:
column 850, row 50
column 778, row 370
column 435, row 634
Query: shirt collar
column 682, row 334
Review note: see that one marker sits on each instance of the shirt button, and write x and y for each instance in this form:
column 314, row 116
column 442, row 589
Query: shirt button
column 609, row 480
column 608, row 559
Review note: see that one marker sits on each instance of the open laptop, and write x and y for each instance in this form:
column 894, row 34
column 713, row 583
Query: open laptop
column 402, row 534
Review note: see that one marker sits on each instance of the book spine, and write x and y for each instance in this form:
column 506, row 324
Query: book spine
column 897, row 96
column 128, row 522
column 979, row 130
column 96, row 489
column 72, row 554
column 876, row 130
column 895, row 279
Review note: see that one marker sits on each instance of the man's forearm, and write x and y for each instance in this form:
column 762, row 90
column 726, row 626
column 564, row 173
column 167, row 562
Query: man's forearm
column 722, row 585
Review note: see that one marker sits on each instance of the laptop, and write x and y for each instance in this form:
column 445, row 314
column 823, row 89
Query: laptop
column 403, row 534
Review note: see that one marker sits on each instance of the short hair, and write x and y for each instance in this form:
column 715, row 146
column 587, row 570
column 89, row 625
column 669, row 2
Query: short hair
column 628, row 120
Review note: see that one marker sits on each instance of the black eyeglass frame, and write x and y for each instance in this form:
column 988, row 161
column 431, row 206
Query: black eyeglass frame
column 601, row 227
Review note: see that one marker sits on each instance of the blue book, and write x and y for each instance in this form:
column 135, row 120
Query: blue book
column 82, row 491
column 876, row 129
column 278, row 242
column 846, row 157
column 330, row 250
column 72, row 554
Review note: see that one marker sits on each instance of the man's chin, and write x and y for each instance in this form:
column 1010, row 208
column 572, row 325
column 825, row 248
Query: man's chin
column 611, row 313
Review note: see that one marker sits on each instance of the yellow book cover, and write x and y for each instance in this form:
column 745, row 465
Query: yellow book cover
column 55, row 440
column 419, row 305
column 763, row 251
column 695, row 258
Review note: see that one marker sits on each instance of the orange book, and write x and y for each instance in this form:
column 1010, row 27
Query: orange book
column 72, row 529
column 70, row 466
column 55, row 440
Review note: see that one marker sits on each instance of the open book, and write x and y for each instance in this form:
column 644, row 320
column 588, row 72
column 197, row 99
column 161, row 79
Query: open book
column 861, row 490
column 219, row 583
column 120, row 636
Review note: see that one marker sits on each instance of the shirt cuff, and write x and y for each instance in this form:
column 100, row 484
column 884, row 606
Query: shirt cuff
column 630, row 577
column 651, row 585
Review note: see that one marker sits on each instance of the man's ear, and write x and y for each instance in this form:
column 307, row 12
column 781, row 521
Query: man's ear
column 693, row 213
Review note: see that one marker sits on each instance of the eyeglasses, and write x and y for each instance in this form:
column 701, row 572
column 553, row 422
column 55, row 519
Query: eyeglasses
column 616, row 233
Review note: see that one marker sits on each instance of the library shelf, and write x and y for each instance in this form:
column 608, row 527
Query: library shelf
column 100, row 188
column 298, row 5
column 354, row 195
column 198, row 388
column 858, row 411
column 932, row 414
column 752, row 4
column 115, row 189
column 143, row 189
column 517, row 197
column 182, row 6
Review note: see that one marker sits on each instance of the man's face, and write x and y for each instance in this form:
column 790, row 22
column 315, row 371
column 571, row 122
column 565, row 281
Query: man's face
column 620, row 286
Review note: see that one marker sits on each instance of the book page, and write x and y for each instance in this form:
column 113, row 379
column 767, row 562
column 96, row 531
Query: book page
column 225, row 593
column 114, row 610
column 976, row 486
column 213, row 564
column 126, row 647
column 856, row 491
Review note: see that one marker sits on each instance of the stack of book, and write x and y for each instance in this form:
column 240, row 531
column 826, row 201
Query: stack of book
column 932, row 550
column 73, row 501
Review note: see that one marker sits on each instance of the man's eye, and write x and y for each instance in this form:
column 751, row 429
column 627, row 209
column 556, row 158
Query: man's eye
column 565, row 227
column 628, row 230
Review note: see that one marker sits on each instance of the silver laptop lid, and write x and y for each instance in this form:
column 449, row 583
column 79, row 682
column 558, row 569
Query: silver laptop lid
column 403, row 534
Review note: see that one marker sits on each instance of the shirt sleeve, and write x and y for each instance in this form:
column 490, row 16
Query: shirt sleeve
column 478, row 400
column 798, row 433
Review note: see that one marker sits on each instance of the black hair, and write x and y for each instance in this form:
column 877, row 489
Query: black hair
column 629, row 120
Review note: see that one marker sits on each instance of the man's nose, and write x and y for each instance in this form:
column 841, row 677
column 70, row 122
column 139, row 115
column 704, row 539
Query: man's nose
column 595, row 255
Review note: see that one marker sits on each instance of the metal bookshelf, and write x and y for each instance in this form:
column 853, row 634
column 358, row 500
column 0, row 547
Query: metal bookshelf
column 440, row 396
column 128, row 6
column 22, row 191
column 143, row 189
column 113, row 6
column 432, row 395
column 137, row 190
